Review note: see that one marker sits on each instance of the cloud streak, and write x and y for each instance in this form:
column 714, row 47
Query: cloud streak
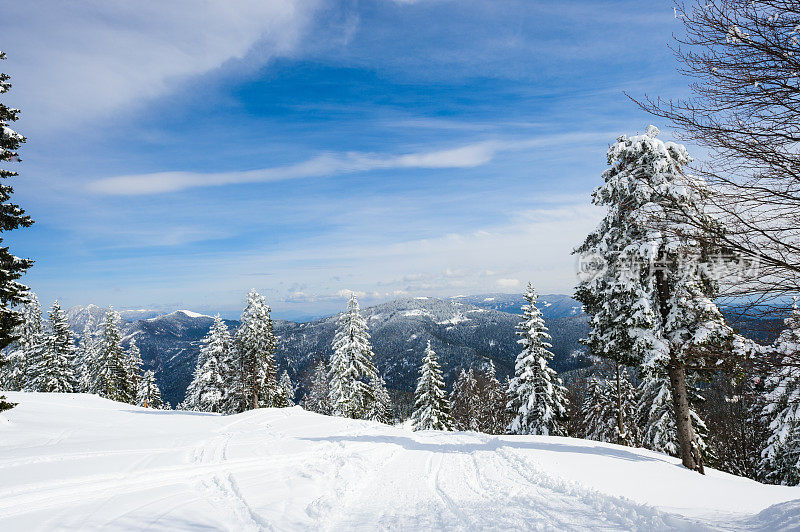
column 329, row 164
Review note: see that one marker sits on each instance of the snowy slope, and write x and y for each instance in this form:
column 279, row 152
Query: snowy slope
column 79, row 462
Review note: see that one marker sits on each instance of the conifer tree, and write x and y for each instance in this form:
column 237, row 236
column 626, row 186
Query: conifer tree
column 382, row 406
column 431, row 406
column 463, row 399
column 110, row 376
column 652, row 300
column 148, row 394
column 317, row 399
column 598, row 421
column 285, row 395
column 493, row 414
column 780, row 459
column 12, row 292
column 206, row 392
column 609, row 410
column 255, row 348
column 352, row 373
column 54, row 369
column 134, row 365
column 21, row 358
column 536, row 397
column 656, row 412
column 88, row 359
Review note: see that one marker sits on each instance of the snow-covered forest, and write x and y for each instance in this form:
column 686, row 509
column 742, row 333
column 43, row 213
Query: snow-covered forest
column 678, row 407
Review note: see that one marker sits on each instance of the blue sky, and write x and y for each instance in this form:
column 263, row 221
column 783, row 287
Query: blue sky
column 181, row 153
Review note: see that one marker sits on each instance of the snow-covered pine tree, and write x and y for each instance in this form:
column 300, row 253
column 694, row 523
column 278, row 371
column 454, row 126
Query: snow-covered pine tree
column 382, row 406
column 206, row 392
column 317, row 399
column 652, row 302
column 87, row 358
column 780, row 459
column 352, row 372
column 656, row 413
column 109, row 375
column 134, row 365
column 493, row 414
column 431, row 406
column 463, row 400
column 284, row 397
column 54, row 368
column 599, row 421
column 148, row 394
column 21, row 357
column 12, row 292
column 537, row 398
column 255, row 348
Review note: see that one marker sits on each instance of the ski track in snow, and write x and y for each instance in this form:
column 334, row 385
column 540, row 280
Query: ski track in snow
column 287, row 469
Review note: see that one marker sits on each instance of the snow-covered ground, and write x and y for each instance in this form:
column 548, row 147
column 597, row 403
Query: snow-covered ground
column 81, row 462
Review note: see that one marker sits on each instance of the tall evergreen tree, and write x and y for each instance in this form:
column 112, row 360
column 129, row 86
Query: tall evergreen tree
column 317, row 399
column 110, row 376
column 431, row 406
column 255, row 348
column 54, row 369
column 537, row 398
column 352, row 373
column 207, row 391
column 652, row 301
column 21, row 358
column 12, row 292
column 493, row 415
column 148, row 394
column 780, row 459
column 463, row 401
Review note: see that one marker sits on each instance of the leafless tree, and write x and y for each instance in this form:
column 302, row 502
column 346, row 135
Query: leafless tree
column 743, row 59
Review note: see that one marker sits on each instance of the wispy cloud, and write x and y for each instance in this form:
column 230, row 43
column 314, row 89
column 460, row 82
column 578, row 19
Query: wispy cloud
column 330, row 164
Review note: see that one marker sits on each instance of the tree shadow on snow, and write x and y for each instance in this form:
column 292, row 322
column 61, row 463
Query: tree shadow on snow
column 493, row 445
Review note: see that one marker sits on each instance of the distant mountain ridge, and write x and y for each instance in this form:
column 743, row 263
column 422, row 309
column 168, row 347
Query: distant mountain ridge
column 464, row 334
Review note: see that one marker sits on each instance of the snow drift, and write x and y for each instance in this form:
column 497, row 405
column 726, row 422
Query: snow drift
column 81, row 462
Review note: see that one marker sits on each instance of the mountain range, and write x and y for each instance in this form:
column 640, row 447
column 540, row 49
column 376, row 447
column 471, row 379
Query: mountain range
column 466, row 331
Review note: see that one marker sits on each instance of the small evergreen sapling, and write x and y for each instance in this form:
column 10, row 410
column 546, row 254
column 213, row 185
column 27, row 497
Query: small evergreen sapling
column 149, row 395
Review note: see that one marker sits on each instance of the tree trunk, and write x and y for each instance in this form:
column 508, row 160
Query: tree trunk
column 621, row 435
column 687, row 440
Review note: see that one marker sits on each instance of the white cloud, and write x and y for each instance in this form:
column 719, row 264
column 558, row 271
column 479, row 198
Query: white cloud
column 508, row 283
column 329, row 164
column 91, row 58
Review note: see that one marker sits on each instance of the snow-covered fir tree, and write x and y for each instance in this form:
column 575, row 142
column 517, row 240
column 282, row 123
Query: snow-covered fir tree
column 207, row 391
column 255, row 349
column 54, row 367
column 317, row 398
column 463, row 401
column 12, row 292
column 284, row 397
column 88, row 358
column 134, row 365
column 493, row 412
column 607, row 399
column 651, row 301
column 22, row 353
column 352, row 372
column 656, row 413
column 109, row 375
column 780, row 459
column 431, row 405
column 537, row 399
column 382, row 406
column 148, row 394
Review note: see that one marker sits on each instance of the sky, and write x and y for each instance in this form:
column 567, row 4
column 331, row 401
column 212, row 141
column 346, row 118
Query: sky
column 181, row 153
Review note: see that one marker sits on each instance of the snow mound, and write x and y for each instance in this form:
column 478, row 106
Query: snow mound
column 78, row 462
